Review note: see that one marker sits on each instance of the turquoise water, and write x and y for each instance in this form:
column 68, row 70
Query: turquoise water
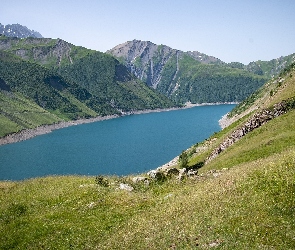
column 121, row 146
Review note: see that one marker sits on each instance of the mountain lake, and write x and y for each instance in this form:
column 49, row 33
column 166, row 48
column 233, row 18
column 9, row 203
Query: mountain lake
column 127, row 145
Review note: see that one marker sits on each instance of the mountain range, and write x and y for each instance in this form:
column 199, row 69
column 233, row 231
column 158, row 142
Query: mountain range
column 193, row 76
column 44, row 80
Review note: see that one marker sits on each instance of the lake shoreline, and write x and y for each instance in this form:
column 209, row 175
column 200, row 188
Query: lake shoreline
column 27, row 134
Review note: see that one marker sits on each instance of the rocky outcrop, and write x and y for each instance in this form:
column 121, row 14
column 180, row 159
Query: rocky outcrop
column 126, row 187
column 144, row 59
column 60, row 50
column 258, row 119
column 42, row 50
column 161, row 173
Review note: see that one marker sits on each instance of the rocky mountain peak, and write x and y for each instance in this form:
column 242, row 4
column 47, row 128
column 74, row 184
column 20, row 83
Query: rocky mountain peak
column 132, row 49
column 19, row 31
column 180, row 75
column 203, row 58
column 144, row 59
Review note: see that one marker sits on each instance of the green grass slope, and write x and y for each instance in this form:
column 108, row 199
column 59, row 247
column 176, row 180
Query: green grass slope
column 48, row 52
column 270, row 68
column 242, row 199
column 18, row 112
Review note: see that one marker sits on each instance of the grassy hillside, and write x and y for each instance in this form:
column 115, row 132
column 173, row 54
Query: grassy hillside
column 18, row 112
column 270, row 68
column 48, row 52
column 242, row 199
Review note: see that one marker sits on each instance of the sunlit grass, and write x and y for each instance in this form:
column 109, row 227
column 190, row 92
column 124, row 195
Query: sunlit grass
column 18, row 112
column 249, row 206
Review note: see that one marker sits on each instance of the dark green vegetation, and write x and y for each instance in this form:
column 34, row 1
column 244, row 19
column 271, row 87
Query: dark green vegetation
column 104, row 77
column 248, row 205
column 208, row 83
column 67, row 83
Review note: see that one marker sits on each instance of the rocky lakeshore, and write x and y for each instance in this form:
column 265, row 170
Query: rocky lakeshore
column 225, row 121
column 45, row 129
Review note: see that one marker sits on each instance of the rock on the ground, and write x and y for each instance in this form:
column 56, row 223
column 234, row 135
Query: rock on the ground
column 126, row 187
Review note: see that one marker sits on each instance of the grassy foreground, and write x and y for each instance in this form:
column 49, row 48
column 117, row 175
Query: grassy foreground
column 248, row 205
column 251, row 206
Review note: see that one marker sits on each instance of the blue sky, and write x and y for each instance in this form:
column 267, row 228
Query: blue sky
column 232, row 30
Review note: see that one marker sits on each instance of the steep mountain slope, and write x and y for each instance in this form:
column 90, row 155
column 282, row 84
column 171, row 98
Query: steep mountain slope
column 241, row 199
column 19, row 31
column 269, row 111
column 186, row 76
column 44, row 93
column 107, row 79
column 147, row 60
column 17, row 112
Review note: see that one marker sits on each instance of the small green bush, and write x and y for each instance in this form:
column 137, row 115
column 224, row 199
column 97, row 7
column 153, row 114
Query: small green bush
column 101, row 181
column 183, row 160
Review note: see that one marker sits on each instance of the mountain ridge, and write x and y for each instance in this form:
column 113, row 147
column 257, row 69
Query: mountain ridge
column 187, row 76
column 258, row 67
column 131, row 52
